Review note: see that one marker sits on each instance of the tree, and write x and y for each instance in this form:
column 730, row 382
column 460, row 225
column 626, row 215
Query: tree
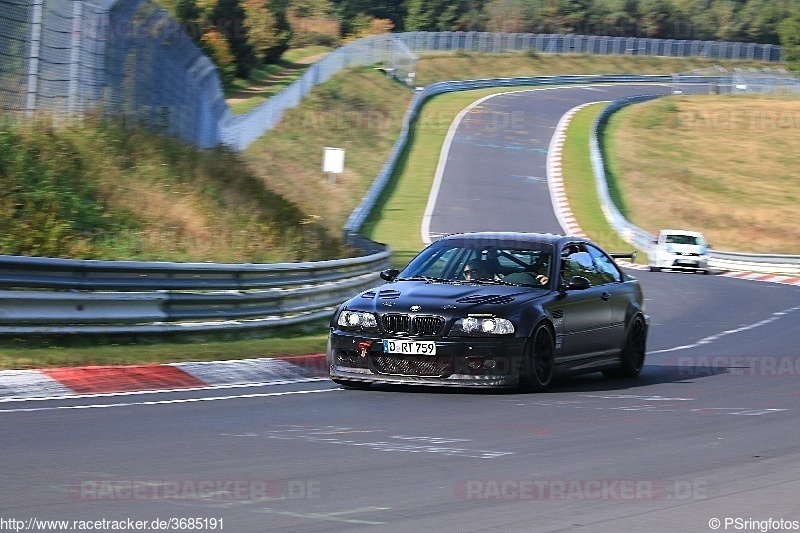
column 760, row 19
column 217, row 47
column 506, row 16
column 313, row 23
column 364, row 26
column 789, row 32
column 311, row 8
column 420, row 17
column 654, row 18
column 262, row 28
column 189, row 15
column 349, row 11
column 228, row 17
column 435, row 15
column 284, row 30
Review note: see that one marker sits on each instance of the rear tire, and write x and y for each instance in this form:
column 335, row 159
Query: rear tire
column 632, row 355
column 655, row 269
column 540, row 363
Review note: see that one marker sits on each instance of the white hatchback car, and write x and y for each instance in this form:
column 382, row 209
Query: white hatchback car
column 679, row 249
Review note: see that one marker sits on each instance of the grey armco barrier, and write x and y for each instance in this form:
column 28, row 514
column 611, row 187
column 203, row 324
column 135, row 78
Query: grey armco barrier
column 763, row 263
column 45, row 296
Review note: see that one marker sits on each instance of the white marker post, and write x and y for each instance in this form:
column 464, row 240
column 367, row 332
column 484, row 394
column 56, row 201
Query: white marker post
column 332, row 162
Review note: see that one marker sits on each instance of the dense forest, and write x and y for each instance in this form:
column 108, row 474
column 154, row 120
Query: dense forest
column 241, row 34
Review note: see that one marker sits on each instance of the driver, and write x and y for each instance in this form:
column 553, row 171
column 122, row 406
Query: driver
column 475, row 269
column 540, row 269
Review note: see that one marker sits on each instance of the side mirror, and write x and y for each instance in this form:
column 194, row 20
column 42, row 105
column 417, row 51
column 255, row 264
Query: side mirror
column 576, row 283
column 390, row 274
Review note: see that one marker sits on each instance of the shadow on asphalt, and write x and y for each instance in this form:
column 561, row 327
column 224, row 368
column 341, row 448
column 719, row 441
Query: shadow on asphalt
column 596, row 382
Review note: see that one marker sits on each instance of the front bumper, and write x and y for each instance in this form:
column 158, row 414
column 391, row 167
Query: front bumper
column 465, row 362
column 687, row 262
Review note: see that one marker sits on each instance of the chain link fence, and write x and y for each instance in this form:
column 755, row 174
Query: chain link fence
column 125, row 58
column 239, row 131
column 426, row 42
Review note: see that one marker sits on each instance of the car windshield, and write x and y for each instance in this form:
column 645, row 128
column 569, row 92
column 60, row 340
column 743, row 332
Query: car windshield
column 683, row 239
column 467, row 260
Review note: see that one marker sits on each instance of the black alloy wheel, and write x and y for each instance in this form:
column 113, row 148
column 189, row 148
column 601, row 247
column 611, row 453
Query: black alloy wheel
column 632, row 355
column 540, row 363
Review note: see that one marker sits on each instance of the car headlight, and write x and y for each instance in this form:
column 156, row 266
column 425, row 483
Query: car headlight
column 357, row 320
column 482, row 326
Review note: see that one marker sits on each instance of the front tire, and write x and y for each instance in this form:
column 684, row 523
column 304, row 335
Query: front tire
column 540, row 363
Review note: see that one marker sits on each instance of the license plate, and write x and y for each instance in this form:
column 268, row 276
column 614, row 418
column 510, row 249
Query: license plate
column 685, row 262
column 409, row 347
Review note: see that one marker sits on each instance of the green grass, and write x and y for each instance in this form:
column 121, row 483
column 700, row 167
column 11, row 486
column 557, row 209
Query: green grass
column 466, row 66
column 580, row 186
column 42, row 353
column 359, row 110
column 245, row 94
column 720, row 164
column 94, row 189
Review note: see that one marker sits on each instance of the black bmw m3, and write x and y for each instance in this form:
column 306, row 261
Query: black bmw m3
column 493, row 310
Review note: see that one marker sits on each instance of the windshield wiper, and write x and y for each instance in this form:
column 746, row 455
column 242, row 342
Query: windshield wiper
column 429, row 279
column 487, row 281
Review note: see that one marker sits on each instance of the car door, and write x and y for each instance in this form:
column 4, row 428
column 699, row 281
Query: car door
column 586, row 313
column 612, row 280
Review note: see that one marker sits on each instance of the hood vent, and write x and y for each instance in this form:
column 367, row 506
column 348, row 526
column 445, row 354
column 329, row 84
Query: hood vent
column 486, row 299
column 389, row 294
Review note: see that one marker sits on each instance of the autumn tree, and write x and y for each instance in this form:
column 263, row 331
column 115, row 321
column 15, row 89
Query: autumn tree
column 217, row 47
column 364, row 26
column 228, row 17
column 262, row 28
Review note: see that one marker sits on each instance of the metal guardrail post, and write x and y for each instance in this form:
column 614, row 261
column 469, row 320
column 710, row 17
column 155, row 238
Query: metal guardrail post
column 33, row 57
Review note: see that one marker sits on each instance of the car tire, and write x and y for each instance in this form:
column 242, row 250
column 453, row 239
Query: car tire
column 354, row 385
column 655, row 269
column 633, row 353
column 540, row 363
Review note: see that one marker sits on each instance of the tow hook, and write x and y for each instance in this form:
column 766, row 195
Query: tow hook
column 363, row 348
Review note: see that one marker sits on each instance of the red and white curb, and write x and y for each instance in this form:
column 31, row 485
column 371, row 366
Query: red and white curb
column 555, row 179
column 98, row 380
column 766, row 278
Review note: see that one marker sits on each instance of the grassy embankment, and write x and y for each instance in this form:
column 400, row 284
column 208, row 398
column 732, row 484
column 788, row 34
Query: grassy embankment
column 269, row 80
column 361, row 112
column 724, row 165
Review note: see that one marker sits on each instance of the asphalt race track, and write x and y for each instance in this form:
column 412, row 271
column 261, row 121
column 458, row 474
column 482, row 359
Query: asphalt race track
column 710, row 431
